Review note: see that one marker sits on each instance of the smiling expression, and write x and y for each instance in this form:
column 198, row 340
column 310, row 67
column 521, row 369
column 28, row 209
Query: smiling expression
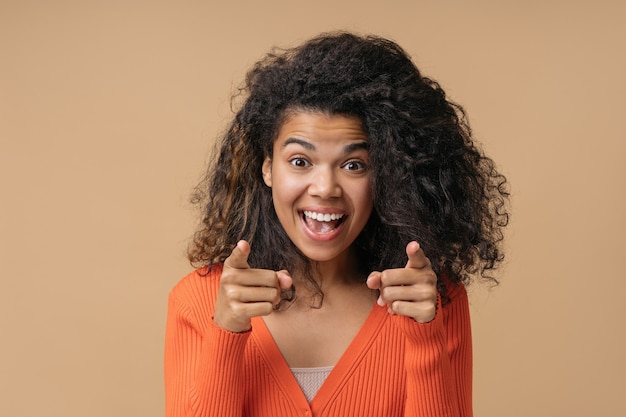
column 320, row 180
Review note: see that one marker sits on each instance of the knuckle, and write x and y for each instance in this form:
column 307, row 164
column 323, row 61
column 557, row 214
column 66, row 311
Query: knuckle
column 273, row 293
column 228, row 277
column 431, row 309
column 266, row 309
column 426, row 314
column 387, row 293
column 383, row 278
column 238, row 309
column 428, row 277
column 426, row 293
column 386, row 276
column 402, row 308
column 232, row 293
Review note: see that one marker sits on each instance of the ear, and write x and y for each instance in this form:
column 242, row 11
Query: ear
column 267, row 171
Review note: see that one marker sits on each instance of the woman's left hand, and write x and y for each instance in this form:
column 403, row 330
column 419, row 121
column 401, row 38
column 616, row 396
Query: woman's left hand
column 410, row 291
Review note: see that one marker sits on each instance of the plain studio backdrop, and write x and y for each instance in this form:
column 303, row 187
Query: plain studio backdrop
column 108, row 112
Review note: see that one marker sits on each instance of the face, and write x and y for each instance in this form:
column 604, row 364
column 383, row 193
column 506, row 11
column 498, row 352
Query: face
column 319, row 175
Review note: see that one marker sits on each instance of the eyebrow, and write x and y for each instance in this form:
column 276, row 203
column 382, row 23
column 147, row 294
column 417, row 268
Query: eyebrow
column 310, row 147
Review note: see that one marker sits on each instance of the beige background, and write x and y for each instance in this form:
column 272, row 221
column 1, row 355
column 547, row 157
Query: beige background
column 107, row 113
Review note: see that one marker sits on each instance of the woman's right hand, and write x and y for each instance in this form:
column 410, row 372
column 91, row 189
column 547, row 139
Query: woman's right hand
column 245, row 292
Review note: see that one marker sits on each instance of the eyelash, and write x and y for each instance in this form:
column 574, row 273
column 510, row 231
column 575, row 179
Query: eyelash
column 297, row 161
column 361, row 164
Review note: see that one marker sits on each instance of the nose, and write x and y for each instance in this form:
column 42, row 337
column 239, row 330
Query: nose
column 324, row 184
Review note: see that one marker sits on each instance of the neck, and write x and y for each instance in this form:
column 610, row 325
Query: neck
column 338, row 279
column 343, row 269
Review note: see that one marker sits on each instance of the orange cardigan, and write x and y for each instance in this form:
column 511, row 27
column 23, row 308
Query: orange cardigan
column 393, row 367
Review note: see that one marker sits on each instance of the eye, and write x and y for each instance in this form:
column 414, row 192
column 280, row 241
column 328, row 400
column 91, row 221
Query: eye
column 299, row 162
column 355, row 165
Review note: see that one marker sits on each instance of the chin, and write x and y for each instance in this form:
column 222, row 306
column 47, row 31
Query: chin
column 324, row 254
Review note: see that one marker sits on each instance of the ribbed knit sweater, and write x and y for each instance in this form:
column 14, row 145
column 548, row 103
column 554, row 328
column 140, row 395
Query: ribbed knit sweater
column 393, row 367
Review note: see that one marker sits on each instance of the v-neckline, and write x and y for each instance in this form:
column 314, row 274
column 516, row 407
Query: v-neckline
column 344, row 367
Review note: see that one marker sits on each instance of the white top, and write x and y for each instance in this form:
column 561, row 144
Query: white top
column 311, row 379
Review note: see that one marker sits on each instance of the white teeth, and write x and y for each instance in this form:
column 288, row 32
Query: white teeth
column 320, row 217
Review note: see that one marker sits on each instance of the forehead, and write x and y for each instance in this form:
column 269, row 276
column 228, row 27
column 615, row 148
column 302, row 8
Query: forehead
column 321, row 126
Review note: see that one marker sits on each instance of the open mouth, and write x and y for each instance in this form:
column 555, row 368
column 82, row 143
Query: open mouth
column 322, row 223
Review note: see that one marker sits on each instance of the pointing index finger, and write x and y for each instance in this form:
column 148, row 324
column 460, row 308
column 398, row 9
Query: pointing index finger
column 417, row 258
column 238, row 258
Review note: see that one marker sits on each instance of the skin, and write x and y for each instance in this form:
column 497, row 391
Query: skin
column 245, row 292
column 410, row 291
column 320, row 164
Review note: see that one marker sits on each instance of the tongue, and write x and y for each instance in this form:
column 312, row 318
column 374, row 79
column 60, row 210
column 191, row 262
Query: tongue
column 321, row 227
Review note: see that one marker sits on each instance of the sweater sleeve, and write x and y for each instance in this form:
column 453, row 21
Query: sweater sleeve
column 203, row 363
column 439, row 360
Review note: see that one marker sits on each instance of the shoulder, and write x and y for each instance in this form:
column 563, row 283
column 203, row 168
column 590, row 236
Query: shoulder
column 455, row 292
column 198, row 288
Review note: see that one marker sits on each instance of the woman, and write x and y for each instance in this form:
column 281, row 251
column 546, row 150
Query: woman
column 346, row 212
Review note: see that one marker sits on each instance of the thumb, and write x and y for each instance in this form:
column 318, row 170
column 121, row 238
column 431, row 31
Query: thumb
column 417, row 258
column 238, row 258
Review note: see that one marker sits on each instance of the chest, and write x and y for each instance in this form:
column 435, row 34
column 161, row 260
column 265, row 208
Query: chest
column 373, row 362
column 311, row 338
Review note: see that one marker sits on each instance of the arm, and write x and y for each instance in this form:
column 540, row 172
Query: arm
column 438, row 357
column 439, row 360
column 208, row 326
column 202, row 363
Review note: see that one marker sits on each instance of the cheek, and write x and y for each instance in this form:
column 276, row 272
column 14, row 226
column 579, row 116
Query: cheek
column 368, row 205
column 363, row 198
column 286, row 189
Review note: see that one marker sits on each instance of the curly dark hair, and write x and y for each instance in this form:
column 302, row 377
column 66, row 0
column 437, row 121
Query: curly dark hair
column 431, row 182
